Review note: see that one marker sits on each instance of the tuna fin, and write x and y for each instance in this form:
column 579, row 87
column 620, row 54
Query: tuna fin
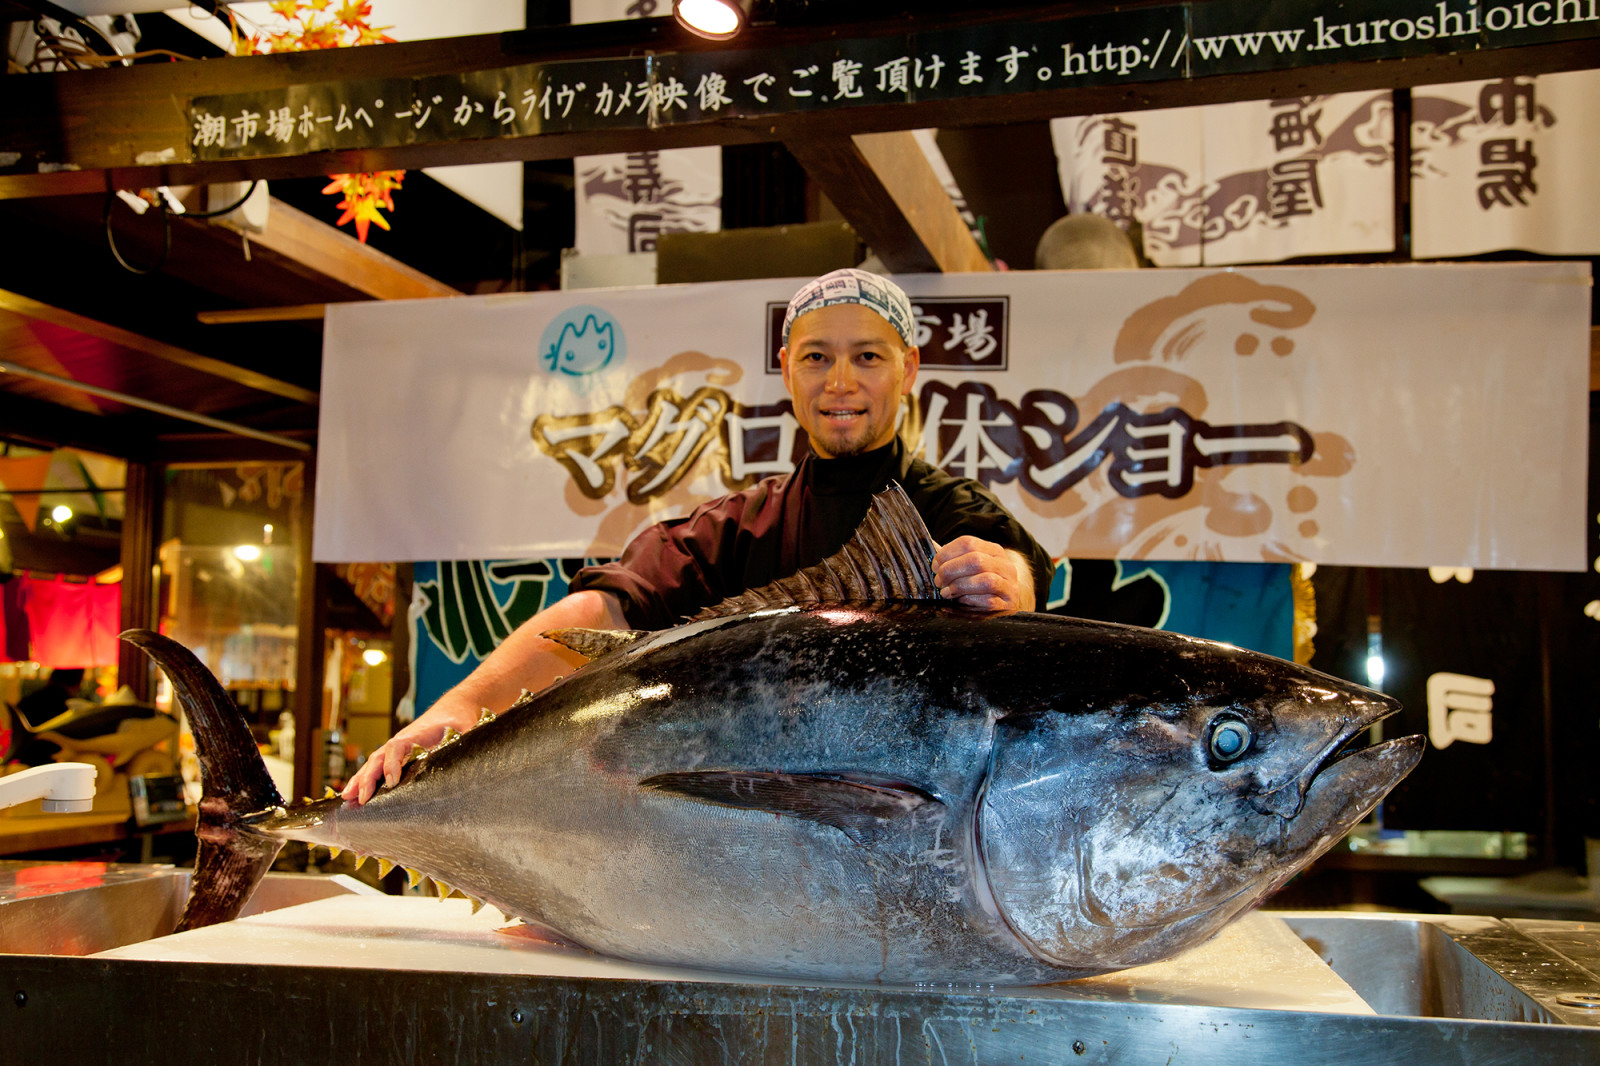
column 889, row 557
column 233, row 856
column 855, row 803
column 593, row 643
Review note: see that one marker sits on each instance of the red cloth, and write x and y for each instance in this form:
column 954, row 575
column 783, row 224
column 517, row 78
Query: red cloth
column 73, row 624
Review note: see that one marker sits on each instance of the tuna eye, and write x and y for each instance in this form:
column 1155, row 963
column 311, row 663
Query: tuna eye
column 1230, row 738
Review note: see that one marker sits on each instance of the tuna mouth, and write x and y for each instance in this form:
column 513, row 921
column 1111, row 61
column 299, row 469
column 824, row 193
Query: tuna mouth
column 1347, row 787
column 1350, row 742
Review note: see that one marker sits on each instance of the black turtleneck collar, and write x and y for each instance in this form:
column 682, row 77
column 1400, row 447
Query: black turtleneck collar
column 831, row 498
column 849, row 474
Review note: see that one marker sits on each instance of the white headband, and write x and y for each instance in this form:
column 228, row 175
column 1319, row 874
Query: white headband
column 850, row 286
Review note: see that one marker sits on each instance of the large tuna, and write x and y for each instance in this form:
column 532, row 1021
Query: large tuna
column 862, row 785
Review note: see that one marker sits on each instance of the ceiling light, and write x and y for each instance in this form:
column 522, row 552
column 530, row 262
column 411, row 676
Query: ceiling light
column 716, row 20
column 61, row 512
column 373, row 657
column 247, row 553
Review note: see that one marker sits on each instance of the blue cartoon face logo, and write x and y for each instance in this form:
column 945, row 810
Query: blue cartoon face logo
column 581, row 340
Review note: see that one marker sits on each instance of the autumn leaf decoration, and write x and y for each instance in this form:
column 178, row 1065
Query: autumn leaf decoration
column 365, row 197
column 315, row 24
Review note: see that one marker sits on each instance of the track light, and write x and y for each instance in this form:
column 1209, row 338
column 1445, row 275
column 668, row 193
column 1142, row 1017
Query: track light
column 716, row 20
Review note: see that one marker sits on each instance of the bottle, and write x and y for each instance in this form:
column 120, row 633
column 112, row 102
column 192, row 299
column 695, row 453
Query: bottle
column 286, row 736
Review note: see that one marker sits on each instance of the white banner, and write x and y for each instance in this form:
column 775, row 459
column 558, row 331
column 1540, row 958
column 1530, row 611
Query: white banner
column 1422, row 415
column 1239, row 183
column 1509, row 163
column 626, row 200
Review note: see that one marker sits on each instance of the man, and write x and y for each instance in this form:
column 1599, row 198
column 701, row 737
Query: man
column 847, row 360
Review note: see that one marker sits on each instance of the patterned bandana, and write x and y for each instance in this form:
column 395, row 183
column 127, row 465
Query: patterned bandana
column 850, row 286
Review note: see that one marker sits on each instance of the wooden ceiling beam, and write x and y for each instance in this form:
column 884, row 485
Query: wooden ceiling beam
column 324, row 252
column 49, row 425
column 887, row 190
column 204, row 448
column 246, row 315
column 170, row 353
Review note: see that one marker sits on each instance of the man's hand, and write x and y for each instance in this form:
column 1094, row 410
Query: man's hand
column 383, row 766
column 524, row 660
column 982, row 574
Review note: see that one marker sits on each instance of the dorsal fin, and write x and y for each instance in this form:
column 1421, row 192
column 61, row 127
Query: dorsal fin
column 889, row 557
column 593, row 643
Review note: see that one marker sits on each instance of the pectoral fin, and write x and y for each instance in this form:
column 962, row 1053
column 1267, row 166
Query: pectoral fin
column 855, row 803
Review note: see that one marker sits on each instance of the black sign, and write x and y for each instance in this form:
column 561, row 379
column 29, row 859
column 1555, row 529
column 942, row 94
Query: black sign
column 1465, row 662
column 1168, row 43
column 963, row 333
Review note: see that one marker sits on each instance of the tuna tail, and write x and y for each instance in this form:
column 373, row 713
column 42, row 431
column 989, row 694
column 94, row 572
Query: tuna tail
column 233, row 856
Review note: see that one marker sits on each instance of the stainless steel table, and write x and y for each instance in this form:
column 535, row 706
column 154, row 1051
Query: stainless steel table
column 324, row 971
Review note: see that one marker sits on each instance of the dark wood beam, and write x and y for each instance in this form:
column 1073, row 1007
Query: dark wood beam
column 321, row 252
column 1009, row 177
column 887, row 190
column 311, row 598
column 181, row 448
column 141, row 521
column 245, row 315
column 170, row 353
column 128, row 127
column 50, row 425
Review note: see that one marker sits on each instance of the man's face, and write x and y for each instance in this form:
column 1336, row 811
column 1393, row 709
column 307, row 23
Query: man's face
column 846, row 369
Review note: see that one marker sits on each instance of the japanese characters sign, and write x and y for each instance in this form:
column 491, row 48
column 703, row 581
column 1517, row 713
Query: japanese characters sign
column 1492, row 160
column 626, row 200
column 1140, row 44
column 1403, row 416
column 1239, row 183
column 956, row 333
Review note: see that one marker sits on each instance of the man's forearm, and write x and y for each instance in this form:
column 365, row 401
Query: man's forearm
column 524, row 660
column 528, row 660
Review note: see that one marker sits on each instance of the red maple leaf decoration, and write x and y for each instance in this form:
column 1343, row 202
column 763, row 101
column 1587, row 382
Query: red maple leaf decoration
column 308, row 26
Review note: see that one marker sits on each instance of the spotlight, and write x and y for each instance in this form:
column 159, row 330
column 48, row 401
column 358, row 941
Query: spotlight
column 716, row 20
column 61, row 513
column 247, row 553
column 373, row 657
